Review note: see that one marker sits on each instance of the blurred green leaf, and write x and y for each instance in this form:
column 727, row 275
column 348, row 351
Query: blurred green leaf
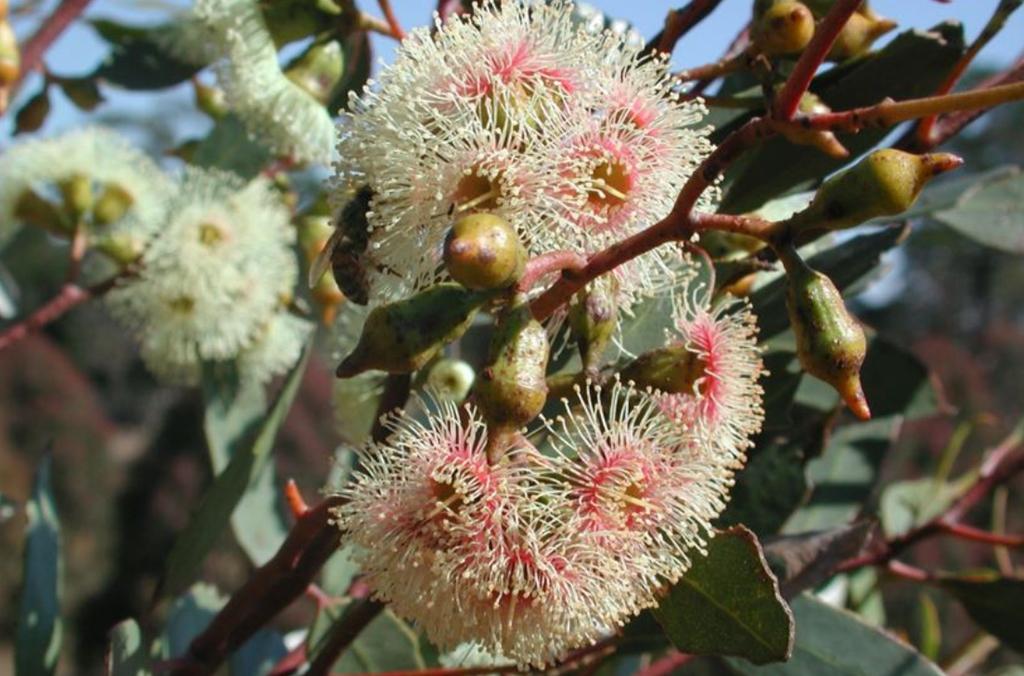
column 994, row 602
column 339, row 571
column 897, row 383
column 728, row 603
column 234, row 410
column 844, row 476
column 930, row 634
column 358, row 62
column 31, row 116
column 833, row 642
column 189, row 615
column 386, row 644
column 906, row 504
column 864, row 596
column 243, row 471
column 81, row 91
column 806, row 560
column 126, row 655
column 40, row 629
column 136, row 60
column 990, row 213
column 228, row 146
column 912, row 65
column 259, row 654
column 845, row 264
column 8, row 298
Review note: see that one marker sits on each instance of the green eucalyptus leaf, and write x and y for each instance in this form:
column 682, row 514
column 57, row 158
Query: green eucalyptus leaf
column 897, row 383
column 229, row 146
column 989, row 213
column 40, row 628
column 728, row 603
column 136, row 60
column 259, row 655
column 386, row 644
column 906, row 504
column 189, row 615
column 994, row 602
column 243, row 472
column 834, row 642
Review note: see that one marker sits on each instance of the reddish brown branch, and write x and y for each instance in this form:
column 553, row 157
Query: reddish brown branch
column 965, row 532
column 545, row 264
column 813, row 56
column 1004, row 463
column 271, row 588
column 70, row 296
column 389, row 16
column 33, row 51
column 678, row 23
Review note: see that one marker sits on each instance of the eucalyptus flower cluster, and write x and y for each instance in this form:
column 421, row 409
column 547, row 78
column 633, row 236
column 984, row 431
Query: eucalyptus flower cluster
column 573, row 136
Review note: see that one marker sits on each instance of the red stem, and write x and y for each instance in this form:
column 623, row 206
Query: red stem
column 389, row 16
column 32, row 52
column 812, row 57
column 679, row 22
column 69, row 296
column 357, row 616
column 271, row 588
column 666, row 665
column 567, row 262
column 965, row 532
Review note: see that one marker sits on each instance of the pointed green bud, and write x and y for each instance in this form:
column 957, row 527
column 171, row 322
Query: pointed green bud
column 593, row 317
column 10, row 56
column 78, row 197
column 403, row 336
column 825, row 141
column 511, row 390
column 209, row 99
column 451, row 379
column 35, row 210
column 672, row 369
column 885, row 183
column 859, row 33
column 121, row 247
column 830, row 343
column 782, row 27
column 318, row 70
column 483, row 252
column 112, row 204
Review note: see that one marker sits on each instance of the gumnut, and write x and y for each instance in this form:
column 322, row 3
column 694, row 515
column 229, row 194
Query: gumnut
column 859, row 33
column 593, row 317
column 10, row 57
column 830, row 343
column 403, row 336
column 210, row 100
column 483, row 252
column 112, row 204
column 781, row 27
column 885, row 183
column 78, row 197
column 511, row 389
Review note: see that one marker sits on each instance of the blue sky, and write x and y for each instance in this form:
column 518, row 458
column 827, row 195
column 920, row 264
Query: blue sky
column 79, row 50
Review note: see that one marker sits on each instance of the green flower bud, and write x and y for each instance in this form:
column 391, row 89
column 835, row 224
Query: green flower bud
column 830, row 343
column 10, row 56
column 210, row 100
column 36, row 210
column 511, row 390
column 33, row 113
column 78, row 197
column 825, row 141
column 782, row 27
column 593, row 317
column 121, row 247
column 859, row 33
column 483, row 252
column 403, row 336
column 885, row 183
column 451, row 379
column 318, row 70
column 112, row 204
column 672, row 369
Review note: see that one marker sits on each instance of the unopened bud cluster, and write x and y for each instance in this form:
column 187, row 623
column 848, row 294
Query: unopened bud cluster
column 785, row 27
